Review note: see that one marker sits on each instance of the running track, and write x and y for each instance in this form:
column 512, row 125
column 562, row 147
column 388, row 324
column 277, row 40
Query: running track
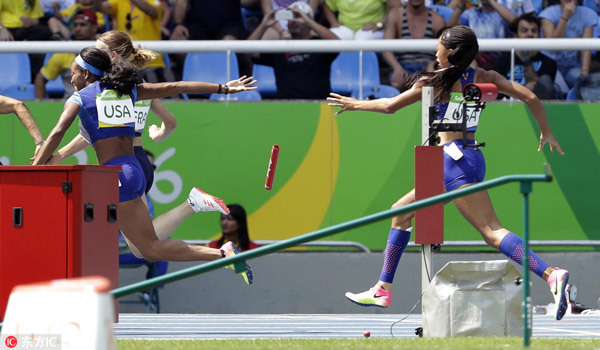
column 268, row 326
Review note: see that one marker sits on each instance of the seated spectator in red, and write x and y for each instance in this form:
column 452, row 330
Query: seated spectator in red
column 235, row 229
column 85, row 27
column 302, row 75
column 61, row 23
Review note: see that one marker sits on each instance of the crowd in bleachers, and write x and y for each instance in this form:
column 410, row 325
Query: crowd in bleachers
column 550, row 74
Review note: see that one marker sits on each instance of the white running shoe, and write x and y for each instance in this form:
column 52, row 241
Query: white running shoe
column 558, row 284
column 202, row 201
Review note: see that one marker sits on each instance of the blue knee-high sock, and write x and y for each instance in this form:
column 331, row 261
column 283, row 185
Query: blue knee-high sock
column 397, row 241
column 512, row 247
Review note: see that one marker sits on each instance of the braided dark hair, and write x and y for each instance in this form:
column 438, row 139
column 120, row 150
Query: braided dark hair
column 463, row 42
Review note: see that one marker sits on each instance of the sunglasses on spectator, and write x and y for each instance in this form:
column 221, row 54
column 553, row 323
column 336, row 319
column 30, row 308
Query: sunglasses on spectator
column 128, row 23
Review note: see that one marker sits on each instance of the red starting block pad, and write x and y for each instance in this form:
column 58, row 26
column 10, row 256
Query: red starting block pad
column 429, row 181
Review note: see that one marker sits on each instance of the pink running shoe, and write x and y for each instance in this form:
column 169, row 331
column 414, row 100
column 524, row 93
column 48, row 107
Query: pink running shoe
column 202, row 201
column 229, row 250
column 558, row 284
column 375, row 296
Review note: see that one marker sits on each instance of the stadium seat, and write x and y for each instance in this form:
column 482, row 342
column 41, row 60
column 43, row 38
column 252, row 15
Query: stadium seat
column 373, row 92
column 252, row 95
column 345, row 72
column 265, row 76
column 443, row 11
column 15, row 76
column 210, row 67
column 54, row 88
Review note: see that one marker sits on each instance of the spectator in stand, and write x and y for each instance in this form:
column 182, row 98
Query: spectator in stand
column 141, row 19
column 20, row 21
column 210, row 20
column 279, row 30
column 61, row 23
column 235, row 229
column 165, row 23
column 49, row 5
column 358, row 19
column 298, row 74
column 532, row 69
column 85, row 27
column 521, row 7
column 412, row 21
column 489, row 21
column 567, row 20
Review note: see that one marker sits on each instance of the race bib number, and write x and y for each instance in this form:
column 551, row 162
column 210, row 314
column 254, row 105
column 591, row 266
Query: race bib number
column 114, row 111
column 454, row 112
column 141, row 114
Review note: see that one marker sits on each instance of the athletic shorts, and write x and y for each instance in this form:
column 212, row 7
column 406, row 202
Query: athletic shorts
column 147, row 168
column 131, row 178
column 469, row 169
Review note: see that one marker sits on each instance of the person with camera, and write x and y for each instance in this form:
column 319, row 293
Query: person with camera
column 489, row 20
column 298, row 74
column 456, row 49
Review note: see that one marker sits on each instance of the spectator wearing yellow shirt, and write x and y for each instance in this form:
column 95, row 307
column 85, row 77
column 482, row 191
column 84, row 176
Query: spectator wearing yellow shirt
column 20, row 20
column 63, row 20
column 85, row 27
column 358, row 19
column 141, row 19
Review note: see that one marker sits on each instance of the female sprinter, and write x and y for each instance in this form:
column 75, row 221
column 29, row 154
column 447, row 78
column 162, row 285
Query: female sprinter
column 456, row 49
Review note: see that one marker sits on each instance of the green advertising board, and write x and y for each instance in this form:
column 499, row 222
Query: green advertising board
column 336, row 168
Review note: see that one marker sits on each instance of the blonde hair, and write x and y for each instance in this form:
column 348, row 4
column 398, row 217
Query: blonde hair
column 120, row 42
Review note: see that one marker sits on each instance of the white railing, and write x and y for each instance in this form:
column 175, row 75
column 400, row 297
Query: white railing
column 173, row 46
column 270, row 46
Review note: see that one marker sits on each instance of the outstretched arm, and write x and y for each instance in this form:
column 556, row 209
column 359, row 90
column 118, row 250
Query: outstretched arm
column 534, row 104
column 77, row 144
column 168, row 124
column 10, row 105
column 56, row 135
column 147, row 91
column 380, row 105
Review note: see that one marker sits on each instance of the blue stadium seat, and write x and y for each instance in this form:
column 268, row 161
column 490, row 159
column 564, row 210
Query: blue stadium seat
column 210, row 67
column 15, row 76
column 377, row 91
column 54, row 88
column 443, row 11
column 253, row 95
column 265, row 76
column 345, row 71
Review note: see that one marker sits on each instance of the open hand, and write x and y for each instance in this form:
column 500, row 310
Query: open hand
column 553, row 144
column 347, row 103
column 242, row 84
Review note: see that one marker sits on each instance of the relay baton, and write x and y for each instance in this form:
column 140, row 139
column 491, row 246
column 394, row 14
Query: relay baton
column 272, row 167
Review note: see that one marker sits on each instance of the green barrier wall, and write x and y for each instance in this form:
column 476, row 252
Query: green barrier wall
column 333, row 169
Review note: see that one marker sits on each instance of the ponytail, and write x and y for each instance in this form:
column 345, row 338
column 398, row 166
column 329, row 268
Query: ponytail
column 121, row 77
column 141, row 57
column 463, row 42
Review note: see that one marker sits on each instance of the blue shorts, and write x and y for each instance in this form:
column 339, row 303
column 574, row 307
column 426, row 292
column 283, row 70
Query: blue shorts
column 131, row 178
column 469, row 169
column 142, row 158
